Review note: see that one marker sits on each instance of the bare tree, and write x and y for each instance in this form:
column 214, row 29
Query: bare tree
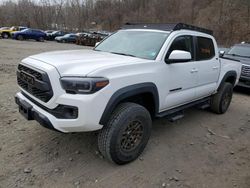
column 230, row 19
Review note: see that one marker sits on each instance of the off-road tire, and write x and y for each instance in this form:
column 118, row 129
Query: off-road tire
column 222, row 99
column 114, row 138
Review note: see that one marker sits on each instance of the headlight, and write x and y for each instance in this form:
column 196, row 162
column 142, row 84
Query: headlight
column 83, row 85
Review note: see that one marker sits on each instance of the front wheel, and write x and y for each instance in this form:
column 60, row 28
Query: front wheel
column 126, row 134
column 221, row 100
column 5, row 35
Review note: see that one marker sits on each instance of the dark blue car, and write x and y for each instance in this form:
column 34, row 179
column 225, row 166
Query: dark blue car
column 34, row 34
column 67, row 38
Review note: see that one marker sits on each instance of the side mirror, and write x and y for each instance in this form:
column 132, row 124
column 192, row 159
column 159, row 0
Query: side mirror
column 179, row 56
column 97, row 43
column 222, row 53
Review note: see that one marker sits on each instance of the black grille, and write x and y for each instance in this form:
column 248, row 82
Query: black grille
column 28, row 70
column 245, row 71
column 35, row 82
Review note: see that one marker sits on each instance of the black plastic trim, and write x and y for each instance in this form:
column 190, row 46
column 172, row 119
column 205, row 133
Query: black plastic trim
column 227, row 75
column 127, row 92
column 183, row 107
column 35, row 115
column 38, row 83
column 166, row 27
column 56, row 111
column 176, row 89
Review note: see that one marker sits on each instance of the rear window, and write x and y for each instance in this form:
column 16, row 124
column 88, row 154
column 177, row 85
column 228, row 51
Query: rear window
column 205, row 49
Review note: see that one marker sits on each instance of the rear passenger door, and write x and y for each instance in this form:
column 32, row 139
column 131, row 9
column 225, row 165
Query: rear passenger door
column 208, row 66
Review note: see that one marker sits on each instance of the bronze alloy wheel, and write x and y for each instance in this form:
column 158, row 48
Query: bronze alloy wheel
column 132, row 136
column 126, row 134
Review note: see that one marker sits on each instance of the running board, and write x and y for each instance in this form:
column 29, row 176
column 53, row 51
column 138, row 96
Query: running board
column 179, row 110
column 175, row 117
column 204, row 106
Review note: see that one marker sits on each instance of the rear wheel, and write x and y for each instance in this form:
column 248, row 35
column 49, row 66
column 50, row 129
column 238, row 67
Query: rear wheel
column 221, row 100
column 19, row 37
column 41, row 39
column 126, row 135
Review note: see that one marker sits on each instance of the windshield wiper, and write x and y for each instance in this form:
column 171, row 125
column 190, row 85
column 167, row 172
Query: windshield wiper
column 239, row 55
column 122, row 54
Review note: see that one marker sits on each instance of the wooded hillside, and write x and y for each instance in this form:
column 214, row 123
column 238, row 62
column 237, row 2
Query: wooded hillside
column 229, row 19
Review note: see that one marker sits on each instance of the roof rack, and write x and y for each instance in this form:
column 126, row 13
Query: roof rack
column 166, row 27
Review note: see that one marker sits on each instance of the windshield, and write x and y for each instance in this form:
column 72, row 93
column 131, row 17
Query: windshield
column 25, row 30
column 242, row 51
column 142, row 44
column 4, row 28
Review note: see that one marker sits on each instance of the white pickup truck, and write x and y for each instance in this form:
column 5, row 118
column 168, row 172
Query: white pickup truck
column 141, row 72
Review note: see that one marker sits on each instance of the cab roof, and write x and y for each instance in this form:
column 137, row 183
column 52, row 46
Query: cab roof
column 166, row 27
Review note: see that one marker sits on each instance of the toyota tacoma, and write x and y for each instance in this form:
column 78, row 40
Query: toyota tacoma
column 241, row 52
column 141, row 72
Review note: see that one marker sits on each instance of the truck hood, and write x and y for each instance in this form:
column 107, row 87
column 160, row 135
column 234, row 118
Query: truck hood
column 243, row 60
column 82, row 62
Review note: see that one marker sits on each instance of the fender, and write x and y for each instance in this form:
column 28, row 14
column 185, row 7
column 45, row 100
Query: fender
column 226, row 76
column 126, row 92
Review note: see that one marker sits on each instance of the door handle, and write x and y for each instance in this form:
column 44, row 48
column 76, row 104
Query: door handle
column 194, row 70
column 215, row 68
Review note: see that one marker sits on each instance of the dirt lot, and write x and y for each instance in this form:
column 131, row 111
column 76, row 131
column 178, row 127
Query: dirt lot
column 203, row 150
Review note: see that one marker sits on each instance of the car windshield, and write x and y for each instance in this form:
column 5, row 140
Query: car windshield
column 55, row 32
column 4, row 28
column 142, row 44
column 25, row 30
column 241, row 51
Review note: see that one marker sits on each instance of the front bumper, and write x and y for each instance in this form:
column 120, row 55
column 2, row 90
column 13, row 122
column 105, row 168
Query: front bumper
column 244, row 82
column 31, row 113
column 87, row 119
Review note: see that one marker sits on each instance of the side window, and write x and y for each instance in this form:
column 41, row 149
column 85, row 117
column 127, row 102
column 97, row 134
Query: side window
column 204, row 49
column 184, row 43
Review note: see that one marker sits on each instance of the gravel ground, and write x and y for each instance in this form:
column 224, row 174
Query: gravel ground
column 202, row 150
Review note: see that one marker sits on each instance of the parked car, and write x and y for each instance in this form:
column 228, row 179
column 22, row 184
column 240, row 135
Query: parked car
column 49, row 31
column 6, row 33
column 53, row 35
column 141, row 72
column 241, row 52
column 223, row 50
column 35, row 34
column 66, row 38
column 90, row 39
column 4, row 28
column 81, row 37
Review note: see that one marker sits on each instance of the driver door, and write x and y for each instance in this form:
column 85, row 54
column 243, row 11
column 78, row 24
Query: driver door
column 181, row 77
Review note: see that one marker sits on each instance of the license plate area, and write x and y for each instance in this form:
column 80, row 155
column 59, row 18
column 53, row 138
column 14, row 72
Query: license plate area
column 25, row 109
